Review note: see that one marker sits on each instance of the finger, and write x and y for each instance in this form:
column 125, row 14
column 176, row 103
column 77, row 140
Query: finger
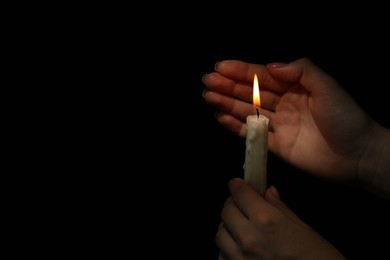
column 269, row 99
column 228, row 105
column 229, row 249
column 237, row 108
column 234, row 125
column 241, row 90
column 272, row 141
column 234, row 220
column 216, row 82
column 239, row 70
column 303, row 71
column 246, row 199
column 243, row 71
column 272, row 196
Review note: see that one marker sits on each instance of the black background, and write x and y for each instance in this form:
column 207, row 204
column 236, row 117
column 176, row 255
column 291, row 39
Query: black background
column 200, row 156
column 157, row 163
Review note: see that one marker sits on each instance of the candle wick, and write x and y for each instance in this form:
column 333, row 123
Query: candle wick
column 257, row 112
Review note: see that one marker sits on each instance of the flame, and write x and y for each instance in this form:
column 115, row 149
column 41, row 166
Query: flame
column 256, row 92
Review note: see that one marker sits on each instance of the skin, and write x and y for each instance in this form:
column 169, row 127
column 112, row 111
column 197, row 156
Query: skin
column 314, row 125
column 256, row 227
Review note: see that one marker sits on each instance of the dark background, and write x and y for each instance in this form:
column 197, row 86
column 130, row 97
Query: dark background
column 353, row 220
column 157, row 162
column 202, row 156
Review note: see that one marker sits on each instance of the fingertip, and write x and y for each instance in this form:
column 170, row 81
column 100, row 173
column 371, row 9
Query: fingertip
column 243, row 130
column 234, row 183
column 204, row 93
column 235, row 180
column 216, row 65
column 204, row 78
column 272, row 191
column 276, row 65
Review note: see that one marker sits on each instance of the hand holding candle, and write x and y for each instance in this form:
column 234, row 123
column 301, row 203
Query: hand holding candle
column 256, row 152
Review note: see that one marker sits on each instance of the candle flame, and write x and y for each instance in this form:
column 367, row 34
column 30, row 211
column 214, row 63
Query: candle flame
column 256, row 92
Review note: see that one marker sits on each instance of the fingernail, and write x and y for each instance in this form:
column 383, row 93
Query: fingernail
column 276, row 65
column 234, row 183
column 216, row 66
column 204, row 93
column 274, row 192
column 204, row 77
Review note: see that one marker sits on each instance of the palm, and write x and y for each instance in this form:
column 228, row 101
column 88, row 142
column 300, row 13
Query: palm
column 310, row 134
column 295, row 131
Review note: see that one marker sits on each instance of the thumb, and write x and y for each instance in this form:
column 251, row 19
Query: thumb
column 272, row 196
column 304, row 71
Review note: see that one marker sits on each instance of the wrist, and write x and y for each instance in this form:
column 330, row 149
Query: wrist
column 374, row 165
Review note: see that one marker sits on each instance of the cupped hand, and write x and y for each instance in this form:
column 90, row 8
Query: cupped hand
column 313, row 123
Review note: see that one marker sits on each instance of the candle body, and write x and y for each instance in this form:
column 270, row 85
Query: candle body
column 256, row 152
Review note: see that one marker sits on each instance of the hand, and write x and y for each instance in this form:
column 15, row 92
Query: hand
column 254, row 227
column 314, row 124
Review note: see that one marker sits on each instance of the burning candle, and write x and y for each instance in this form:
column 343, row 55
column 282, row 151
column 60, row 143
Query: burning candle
column 256, row 142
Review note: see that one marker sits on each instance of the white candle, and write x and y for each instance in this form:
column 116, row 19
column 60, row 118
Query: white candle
column 256, row 152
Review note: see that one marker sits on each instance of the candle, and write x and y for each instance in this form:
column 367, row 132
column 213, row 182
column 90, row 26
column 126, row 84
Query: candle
column 256, row 153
